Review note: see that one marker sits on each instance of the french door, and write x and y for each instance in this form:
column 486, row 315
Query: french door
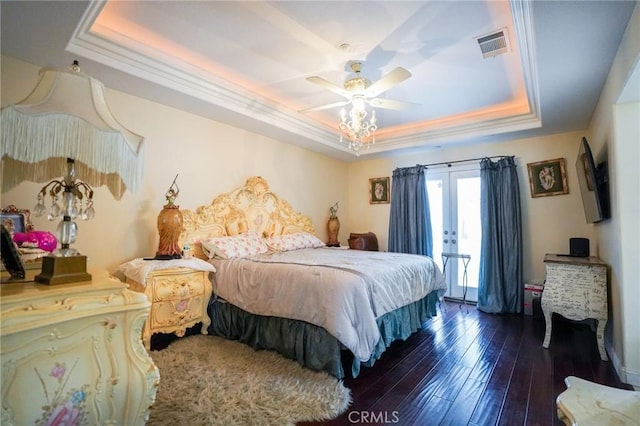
column 454, row 202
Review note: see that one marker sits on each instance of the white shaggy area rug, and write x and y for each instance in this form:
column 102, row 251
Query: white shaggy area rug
column 208, row 380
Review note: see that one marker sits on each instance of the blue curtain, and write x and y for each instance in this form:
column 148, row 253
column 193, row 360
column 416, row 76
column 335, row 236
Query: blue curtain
column 500, row 289
column 410, row 221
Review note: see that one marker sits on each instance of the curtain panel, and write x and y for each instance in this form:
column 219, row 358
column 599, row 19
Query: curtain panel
column 500, row 287
column 410, row 220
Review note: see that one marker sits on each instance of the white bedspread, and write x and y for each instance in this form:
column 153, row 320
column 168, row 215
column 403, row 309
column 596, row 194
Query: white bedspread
column 343, row 291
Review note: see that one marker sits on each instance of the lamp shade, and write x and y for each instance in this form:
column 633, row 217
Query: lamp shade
column 67, row 116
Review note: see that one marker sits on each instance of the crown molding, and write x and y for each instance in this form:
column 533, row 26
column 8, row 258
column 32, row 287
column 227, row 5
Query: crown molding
column 120, row 52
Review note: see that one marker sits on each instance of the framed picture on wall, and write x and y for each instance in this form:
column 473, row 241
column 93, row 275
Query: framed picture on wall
column 379, row 190
column 548, row 178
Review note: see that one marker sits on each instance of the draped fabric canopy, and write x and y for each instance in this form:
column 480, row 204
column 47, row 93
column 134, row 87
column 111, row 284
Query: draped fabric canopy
column 66, row 116
column 410, row 220
column 500, row 283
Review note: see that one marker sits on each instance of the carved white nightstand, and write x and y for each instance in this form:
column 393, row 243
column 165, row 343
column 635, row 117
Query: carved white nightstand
column 72, row 353
column 576, row 288
column 179, row 291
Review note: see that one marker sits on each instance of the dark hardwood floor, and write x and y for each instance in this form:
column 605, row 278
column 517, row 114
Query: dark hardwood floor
column 466, row 367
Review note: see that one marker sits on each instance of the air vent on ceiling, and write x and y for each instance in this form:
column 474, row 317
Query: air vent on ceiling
column 494, row 44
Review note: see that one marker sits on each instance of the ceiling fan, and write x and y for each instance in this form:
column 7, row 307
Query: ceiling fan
column 359, row 88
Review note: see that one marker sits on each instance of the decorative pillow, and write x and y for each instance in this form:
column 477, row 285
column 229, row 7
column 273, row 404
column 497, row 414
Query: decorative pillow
column 241, row 245
column 295, row 241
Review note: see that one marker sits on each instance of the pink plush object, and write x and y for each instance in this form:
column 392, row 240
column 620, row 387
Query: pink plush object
column 44, row 240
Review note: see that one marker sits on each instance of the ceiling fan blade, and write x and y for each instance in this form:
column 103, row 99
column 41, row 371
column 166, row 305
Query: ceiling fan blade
column 328, row 85
column 390, row 104
column 393, row 78
column 323, row 107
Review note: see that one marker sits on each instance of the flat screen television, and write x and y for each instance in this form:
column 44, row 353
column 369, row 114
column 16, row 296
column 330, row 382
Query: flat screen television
column 594, row 184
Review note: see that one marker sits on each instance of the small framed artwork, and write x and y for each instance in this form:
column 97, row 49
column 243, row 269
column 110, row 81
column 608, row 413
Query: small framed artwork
column 15, row 219
column 548, row 178
column 379, row 190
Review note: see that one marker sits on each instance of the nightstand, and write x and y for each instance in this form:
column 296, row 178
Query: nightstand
column 179, row 295
column 576, row 288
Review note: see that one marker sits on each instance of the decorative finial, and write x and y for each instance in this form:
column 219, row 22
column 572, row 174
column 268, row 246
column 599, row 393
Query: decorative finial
column 172, row 193
column 334, row 210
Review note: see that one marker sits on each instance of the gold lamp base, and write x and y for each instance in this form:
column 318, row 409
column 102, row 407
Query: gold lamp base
column 62, row 270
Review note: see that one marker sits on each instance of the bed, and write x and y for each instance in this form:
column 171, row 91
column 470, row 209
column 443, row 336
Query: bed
column 277, row 286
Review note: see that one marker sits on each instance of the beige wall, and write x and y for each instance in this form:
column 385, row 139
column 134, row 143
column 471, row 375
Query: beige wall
column 625, row 255
column 548, row 222
column 209, row 157
column 615, row 131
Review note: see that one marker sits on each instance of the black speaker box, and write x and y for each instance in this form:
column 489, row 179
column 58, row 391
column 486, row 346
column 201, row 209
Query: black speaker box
column 579, row 247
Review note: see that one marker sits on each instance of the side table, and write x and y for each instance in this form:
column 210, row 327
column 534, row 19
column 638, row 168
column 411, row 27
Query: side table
column 466, row 258
column 576, row 288
column 179, row 291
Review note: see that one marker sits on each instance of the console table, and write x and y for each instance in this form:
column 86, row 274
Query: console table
column 576, row 288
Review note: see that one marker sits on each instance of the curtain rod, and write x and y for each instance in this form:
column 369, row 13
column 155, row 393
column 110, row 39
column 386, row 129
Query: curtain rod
column 449, row 163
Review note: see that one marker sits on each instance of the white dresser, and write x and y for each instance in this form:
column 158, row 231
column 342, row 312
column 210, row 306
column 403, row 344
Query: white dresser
column 576, row 288
column 73, row 354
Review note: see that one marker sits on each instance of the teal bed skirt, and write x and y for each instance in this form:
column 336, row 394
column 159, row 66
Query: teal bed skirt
column 310, row 345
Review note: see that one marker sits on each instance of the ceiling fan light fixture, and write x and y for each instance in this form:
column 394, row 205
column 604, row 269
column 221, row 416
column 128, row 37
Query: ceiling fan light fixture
column 355, row 128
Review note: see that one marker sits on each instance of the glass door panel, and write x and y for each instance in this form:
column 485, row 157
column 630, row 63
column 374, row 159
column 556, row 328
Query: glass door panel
column 454, row 202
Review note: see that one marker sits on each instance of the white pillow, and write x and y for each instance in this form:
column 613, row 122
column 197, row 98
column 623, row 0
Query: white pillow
column 241, row 245
column 295, row 241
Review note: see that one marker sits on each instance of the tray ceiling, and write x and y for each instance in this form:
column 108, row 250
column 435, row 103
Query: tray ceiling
column 247, row 63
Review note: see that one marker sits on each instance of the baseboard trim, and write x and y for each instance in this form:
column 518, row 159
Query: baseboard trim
column 626, row 375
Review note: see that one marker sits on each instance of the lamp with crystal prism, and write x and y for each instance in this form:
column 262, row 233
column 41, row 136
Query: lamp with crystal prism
column 66, row 116
column 65, row 264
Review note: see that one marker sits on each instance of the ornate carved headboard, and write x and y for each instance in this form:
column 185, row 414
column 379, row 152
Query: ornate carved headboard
column 251, row 207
